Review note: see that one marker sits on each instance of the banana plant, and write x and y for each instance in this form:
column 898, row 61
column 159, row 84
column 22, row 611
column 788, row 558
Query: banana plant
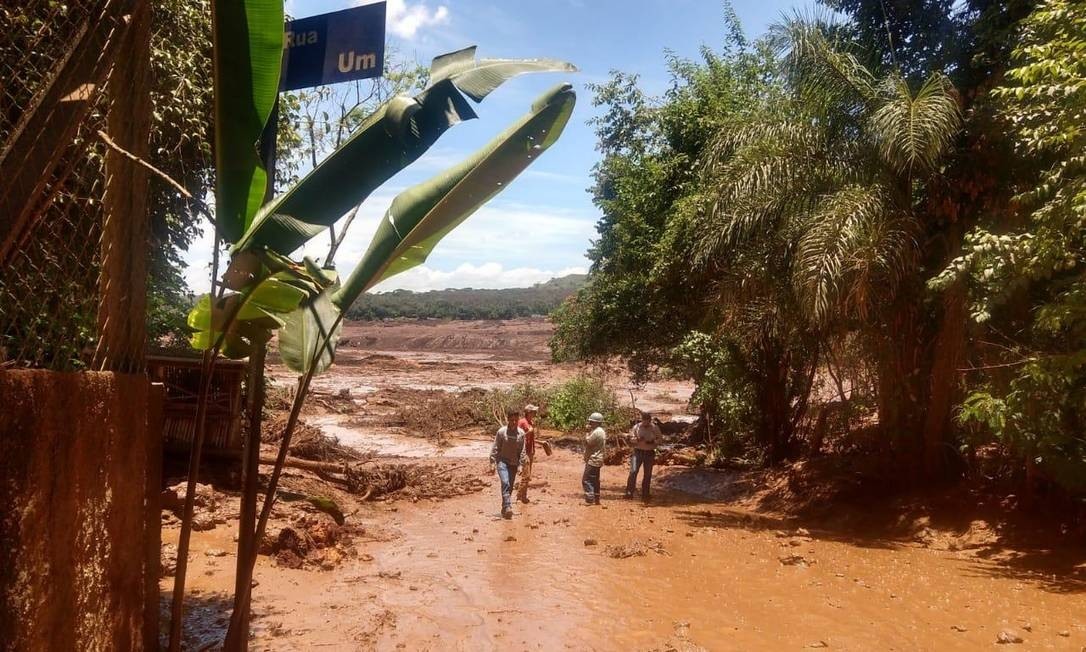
column 419, row 218
column 263, row 289
column 394, row 136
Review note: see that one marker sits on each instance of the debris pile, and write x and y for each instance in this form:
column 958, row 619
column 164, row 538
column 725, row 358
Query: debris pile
column 635, row 549
column 412, row 481
column 309, row 541
column 432, row 413
column 308, row 442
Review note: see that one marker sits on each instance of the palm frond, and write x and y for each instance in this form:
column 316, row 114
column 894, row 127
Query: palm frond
column 857, row 248
column 914, row 131
column 760, row 176
column 818, row 66
column 883, row 254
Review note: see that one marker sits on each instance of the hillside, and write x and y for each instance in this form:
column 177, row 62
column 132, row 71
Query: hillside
column 467, row 303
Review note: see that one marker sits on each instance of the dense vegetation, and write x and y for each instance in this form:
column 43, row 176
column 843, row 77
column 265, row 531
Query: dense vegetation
column 467, row 303
column 880, row 218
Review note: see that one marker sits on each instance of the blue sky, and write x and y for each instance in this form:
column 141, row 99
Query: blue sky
column 543, row 223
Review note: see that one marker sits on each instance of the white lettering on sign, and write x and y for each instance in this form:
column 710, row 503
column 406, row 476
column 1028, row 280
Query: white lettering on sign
column 349, row 61
column 295, row 39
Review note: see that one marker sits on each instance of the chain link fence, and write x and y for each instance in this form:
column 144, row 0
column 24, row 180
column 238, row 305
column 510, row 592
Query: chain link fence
column 51, row 255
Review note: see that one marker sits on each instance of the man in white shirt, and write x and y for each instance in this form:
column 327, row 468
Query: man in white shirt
column 595, row 444
column 644, row 437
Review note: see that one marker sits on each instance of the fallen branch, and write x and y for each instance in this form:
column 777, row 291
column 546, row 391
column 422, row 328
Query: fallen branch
column 310, row 465
column 456, row 427
column 124, row 152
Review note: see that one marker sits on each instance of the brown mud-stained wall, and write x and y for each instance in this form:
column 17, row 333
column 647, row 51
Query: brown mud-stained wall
column 79, row 468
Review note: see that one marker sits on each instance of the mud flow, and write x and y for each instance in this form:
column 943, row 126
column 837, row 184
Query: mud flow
column 702, row 566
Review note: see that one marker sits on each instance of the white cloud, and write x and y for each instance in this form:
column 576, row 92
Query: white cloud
column 405, row 19
column 197, row 272
column 485, row 276
column 504, row 244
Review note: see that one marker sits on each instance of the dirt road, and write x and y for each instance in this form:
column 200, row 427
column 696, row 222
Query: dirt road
column 696, row 569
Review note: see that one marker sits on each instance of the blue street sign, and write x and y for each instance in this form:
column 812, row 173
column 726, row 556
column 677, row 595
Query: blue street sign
column 335, row 47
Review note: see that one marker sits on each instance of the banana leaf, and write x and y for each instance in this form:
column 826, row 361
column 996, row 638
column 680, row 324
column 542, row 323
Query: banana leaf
column 477, row 78
column 251, row 315
column 247, row 56
column 389, row 140
column 310, row 335
column 422, row 215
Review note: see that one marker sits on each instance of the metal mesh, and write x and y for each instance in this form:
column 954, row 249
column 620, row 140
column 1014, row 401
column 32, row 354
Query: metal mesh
column 37, row 37
column 49, row 284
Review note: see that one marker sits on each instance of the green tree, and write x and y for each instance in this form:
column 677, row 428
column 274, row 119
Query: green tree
column 644, row 300
column 1028, row 277
column 830, row 186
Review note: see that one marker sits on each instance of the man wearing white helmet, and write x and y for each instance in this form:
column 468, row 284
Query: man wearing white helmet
column 594, row 444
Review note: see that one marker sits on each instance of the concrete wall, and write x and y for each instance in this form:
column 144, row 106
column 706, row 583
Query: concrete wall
column 80, row 465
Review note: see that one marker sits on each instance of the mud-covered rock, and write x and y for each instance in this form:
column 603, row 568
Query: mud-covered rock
column 289, row 559
column 311, row 540
column 795, row 560
column 173, row 497
column 203, row 522
column 323, row 533
column 295, row 540
column 168, row 560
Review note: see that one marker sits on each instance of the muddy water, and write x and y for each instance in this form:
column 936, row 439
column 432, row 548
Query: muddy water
column 457, row 577
column 717, row 582
column 384, row 442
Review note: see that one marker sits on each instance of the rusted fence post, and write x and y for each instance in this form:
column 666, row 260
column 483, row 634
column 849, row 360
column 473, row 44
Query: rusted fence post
column 122, row 308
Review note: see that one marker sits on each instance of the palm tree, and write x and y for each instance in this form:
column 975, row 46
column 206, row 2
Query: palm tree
column 834, row 176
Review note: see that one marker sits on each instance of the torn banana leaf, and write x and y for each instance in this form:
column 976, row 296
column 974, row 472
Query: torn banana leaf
column 389, row 140
column 422, row 215
column 476, row 78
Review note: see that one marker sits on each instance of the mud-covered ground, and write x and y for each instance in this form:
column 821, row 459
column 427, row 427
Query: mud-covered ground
column 717, row 561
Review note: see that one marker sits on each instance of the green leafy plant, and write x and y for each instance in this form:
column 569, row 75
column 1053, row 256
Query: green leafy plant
column 569, row 404
column 1031, row 390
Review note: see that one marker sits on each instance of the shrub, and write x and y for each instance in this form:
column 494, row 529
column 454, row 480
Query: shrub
column 570, row 403
column 516, row 397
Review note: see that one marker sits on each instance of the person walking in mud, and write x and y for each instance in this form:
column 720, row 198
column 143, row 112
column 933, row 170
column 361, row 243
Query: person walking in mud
column 527, row 424
column 594, row 443
column 643, row 437
column 506, row 456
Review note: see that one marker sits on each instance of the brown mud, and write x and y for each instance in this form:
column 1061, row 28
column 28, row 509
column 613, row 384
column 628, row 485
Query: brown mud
column 718, row 560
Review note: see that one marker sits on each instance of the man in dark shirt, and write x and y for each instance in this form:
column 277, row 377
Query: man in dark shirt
column 506, row 455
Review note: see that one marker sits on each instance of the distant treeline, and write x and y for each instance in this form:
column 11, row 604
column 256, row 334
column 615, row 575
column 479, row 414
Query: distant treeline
column 467, row 303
